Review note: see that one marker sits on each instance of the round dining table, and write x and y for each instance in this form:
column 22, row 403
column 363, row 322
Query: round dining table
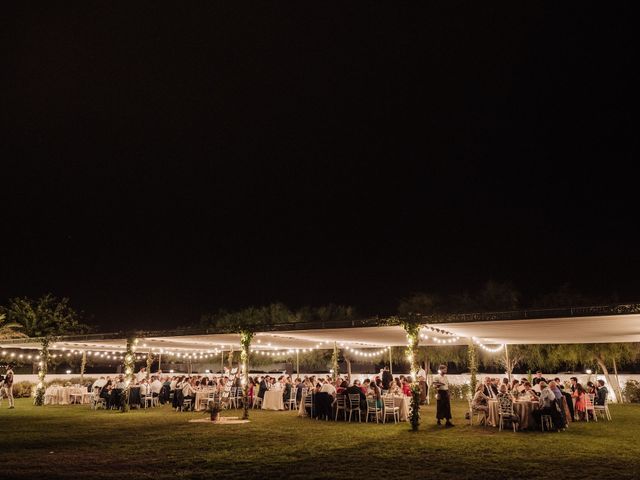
column 523, row 408
column 273, row 400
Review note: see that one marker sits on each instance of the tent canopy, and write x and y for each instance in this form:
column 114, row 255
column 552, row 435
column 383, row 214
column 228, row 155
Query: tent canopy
column 604, row 328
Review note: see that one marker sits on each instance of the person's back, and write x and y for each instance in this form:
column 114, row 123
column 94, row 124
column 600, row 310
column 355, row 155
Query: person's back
column 603, row 392
column 547, row 397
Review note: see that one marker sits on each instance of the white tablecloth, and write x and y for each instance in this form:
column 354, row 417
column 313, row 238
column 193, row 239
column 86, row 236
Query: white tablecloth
column 201, row 395
column 57, row 395
column 273, row 400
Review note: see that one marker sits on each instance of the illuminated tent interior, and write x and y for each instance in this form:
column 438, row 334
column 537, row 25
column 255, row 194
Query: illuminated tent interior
column 365, row 340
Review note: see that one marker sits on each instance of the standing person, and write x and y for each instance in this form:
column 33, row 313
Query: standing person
column 443, row 408
column 538, row 378
column 421, row 376
column 8, row 385
column 387, row 378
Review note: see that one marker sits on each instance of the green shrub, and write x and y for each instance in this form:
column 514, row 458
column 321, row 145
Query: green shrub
column 459, row 391
column 69, row 381
column 632, row 391
column 23, row 389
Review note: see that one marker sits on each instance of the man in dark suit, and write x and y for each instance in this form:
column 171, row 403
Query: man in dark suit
column 538, row 378
column 387, row 378
column 263, row 386
column 487, row 388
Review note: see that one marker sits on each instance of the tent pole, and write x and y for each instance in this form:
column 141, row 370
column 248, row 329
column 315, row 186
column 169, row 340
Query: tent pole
column 390, row 361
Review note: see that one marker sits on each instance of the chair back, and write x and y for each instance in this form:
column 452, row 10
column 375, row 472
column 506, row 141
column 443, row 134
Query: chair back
column 505, row 406
column 341, row 401
column 590, row 400
column 388, row 402
column 354, row 400
column 371, row 404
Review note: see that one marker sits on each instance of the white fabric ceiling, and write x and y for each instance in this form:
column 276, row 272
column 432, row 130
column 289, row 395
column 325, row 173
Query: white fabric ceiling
column 593, row 329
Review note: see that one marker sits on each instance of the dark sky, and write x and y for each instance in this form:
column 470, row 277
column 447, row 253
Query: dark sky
column 162, row 162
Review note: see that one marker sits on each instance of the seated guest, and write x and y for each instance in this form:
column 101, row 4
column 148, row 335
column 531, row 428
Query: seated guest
column 342, row 388
column 356, row 389
column 514, row 388
column 165, row 391
column 528, row 393
column 116, row 393
column 555, row 388
column 155, row 386
column 591, row 388
column 101, row 382
column 406, row 386
column 394, row 388
column 398, row 382
column 480, row 401
column 495, row 386
column 601, row 395
column 105, row 392
column 505, row 401
column 328, row 387
column 487, row 388
column 365, row 386
column 548, row 405
column 375, row 393
column 188, row 392
column 568, row 399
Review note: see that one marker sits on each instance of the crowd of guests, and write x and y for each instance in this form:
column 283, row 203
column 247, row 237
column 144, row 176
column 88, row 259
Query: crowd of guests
column 548, row 394
column 176, row 389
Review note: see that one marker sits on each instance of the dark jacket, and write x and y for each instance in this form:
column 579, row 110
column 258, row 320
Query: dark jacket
column 601, row 396
column 263, row 388
column 387, row 378
column 353, row 390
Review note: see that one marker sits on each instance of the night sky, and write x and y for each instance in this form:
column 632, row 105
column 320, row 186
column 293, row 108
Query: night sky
column 159, row 163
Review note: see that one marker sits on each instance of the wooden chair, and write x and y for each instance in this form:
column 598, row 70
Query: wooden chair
column 390, row 409
column 482, row 416
column 308, row 402
column 589, row 402
column 354, row 406
column 603, row 409
column 505, row 412
column 292, row 402
column 341, row 405
column 373, row 409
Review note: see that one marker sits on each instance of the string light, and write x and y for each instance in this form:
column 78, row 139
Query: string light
column 441, row 341
column 485, row 348
column 376, row 353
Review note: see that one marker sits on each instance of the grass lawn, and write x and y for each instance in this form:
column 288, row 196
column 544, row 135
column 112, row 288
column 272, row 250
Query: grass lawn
column 76, row 442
